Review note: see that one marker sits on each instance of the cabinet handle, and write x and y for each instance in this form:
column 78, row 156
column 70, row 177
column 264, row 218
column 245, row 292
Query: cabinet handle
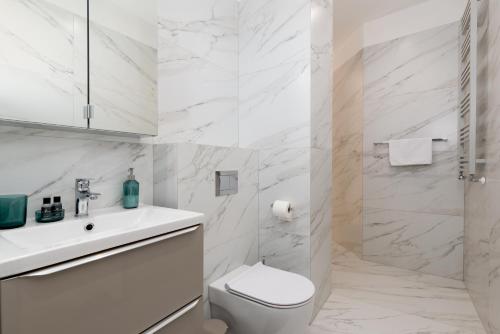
column 164, row 323
column 99, row 256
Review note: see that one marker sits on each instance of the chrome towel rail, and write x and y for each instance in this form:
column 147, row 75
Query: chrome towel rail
column 433, row 139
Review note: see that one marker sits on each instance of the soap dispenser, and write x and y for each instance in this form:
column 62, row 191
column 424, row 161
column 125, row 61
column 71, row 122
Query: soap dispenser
column 131, row 191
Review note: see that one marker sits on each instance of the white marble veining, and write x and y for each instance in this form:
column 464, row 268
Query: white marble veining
column 403, row 239
column 432, row 194
column 166, row 175
column 284, row 174
column 321, row 223
column 494, row 104
column 377, row 299
column 479, row 218
column 321, row 147
column 198, row 72
column 348, row 154
column 321, row 73
column 482, row 223
column 410, row 90
column 411, row 87
column 42, row 164
column 275, row 74
column 231, row 227
column 48, row 73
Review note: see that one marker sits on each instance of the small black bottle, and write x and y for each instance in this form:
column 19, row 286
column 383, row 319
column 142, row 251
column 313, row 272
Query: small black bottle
column 56, row 207
column 46, row 207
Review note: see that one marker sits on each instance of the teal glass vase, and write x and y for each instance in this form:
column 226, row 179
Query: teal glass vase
column 13, row 209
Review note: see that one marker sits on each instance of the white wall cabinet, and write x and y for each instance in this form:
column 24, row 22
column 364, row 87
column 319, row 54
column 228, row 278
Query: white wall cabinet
column 50, row 71
column 123, row 65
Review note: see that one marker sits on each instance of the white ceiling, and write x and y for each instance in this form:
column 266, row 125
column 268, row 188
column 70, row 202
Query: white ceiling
column 351, row 14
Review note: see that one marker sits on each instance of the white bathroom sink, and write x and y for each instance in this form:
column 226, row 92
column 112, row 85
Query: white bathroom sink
column 39, row 245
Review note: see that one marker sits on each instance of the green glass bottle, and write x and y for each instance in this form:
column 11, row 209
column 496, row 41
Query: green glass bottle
column 131, row 191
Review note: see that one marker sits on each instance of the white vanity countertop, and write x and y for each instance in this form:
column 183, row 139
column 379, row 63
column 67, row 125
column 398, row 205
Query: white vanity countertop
column 35, row 246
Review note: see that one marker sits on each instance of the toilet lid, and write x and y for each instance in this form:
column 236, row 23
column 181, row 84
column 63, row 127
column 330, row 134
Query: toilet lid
column 272, row 287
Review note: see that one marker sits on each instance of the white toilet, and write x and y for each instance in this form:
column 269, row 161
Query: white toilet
column 262, row 300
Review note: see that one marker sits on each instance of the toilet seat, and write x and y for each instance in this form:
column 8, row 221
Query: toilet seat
column 272, row 287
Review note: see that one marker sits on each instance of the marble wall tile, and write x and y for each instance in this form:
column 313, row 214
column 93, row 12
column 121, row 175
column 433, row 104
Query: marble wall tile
column 44, row 165
column 410, row 91
column 231, row 228
column 284, row 174
column 348, row 201
column 417, row 241
column 321, row 223
column 275, row 73
column 377, row 163
column 348, row 153
column 493, row 293
column 321, row 73
column 411, row 87
column 477, row 245
column 478, row 221
column 321, row 151
column 198, row 72
column 494, row 156
column 165, row 175
column 348, row 106
column 492, row 121
column 482, row 256
column 432, row 194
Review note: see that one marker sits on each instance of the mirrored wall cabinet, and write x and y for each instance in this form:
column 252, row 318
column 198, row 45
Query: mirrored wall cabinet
column 89, row 64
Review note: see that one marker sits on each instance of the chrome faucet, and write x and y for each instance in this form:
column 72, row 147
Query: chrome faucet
column 82, row 196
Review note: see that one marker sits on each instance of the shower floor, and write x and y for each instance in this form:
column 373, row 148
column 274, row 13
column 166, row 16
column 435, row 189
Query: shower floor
column 369, row 298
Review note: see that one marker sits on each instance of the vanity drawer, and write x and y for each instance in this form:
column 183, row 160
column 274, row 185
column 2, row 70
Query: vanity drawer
column 120, row 291
column 188, row 320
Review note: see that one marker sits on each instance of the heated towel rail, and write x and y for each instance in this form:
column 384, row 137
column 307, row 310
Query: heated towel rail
column 433, row 139
column 467, row 115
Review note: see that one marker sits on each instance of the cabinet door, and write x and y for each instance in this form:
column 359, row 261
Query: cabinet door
column 43, row 61
column 123, row 291
column 187, row 320
column 123, row 65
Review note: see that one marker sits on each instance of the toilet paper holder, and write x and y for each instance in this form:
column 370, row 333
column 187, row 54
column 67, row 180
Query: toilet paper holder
column 289, row 207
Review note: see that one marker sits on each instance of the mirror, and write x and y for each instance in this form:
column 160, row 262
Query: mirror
column 47, row 79
column 43, row 64
column 123, row 65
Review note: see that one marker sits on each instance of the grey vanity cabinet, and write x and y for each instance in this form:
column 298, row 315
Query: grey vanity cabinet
column 188, row 323
column 126, row 290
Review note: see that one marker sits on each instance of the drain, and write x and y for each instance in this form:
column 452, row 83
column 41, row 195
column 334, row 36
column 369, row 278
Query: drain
column 89, row 227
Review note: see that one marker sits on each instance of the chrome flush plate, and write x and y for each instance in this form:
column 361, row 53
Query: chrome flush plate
column 226, row 183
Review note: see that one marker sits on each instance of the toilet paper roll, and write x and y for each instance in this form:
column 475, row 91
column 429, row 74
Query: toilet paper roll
column 282, row 210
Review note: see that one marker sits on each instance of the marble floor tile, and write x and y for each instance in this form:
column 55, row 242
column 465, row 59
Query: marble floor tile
column 372, row 298
column 342, row 315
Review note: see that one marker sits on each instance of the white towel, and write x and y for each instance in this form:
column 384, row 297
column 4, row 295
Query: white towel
column 410, row 152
